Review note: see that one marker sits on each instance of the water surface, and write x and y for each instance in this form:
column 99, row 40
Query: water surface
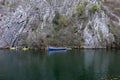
column 71, row 65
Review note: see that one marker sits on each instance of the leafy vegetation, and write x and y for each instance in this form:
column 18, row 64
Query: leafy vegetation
column 94, row 7
column 59, row 21
column 86, row 1
column 80, row 10
column 62, row 20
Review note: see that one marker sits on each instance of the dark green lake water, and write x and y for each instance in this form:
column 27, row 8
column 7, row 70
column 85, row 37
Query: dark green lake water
column 70, row 65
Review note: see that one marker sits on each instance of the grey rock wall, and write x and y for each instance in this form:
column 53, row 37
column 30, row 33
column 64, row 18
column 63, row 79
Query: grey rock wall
column 39, row 23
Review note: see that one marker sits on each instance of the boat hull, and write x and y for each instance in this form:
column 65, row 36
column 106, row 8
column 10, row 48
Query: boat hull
column 56, row 49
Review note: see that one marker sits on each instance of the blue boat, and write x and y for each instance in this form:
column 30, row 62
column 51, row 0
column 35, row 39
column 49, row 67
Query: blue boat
column 56, row 48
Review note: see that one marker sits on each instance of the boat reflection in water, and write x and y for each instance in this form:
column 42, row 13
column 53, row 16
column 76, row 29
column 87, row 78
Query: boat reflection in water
column 59, row 51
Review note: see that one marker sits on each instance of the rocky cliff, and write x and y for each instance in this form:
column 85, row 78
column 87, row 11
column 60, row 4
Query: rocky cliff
column 38, row 23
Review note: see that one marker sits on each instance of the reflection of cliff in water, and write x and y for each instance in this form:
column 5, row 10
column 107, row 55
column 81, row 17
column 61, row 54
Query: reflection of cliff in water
column 73, row 65
column 102, row 63
column 97, row 62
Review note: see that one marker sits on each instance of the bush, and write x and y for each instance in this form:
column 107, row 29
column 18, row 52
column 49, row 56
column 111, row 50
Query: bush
column 62, row 20
column 80, row 9
column 94, row 7
column 59, row 21
column 85, row 2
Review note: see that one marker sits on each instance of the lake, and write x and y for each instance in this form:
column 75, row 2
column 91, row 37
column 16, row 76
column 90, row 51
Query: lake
column 83, row 64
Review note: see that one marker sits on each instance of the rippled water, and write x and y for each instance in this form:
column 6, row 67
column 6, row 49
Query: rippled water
column 70, row 65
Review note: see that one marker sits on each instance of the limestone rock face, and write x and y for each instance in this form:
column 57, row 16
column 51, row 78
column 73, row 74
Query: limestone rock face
column 38, row 23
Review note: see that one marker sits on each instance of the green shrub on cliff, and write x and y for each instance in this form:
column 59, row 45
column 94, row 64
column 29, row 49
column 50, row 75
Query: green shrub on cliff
column 59, row 21
column 62, row 20
column 80, row 9
column 85, row 2
column 94, row 7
